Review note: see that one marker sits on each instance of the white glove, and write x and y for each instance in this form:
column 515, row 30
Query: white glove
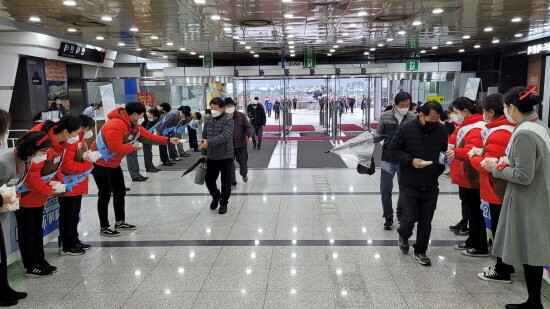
column 58, row 187
column 494, row 160
column 14, row 202
column 475, row 152
column 92, row 156
column 503, row 160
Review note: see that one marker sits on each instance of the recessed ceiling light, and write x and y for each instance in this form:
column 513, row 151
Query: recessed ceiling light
column 417, row 23
column 89, row 46
column 201, row 56
column 435, row 47
column 256, row 56
column 289, row 27
column 401, row 32
column 134, row 29
column 345, row 34
column 329, row 55
column 466, row 37
column 71, row 30
column 335, row 46
column 389, row 39
column 193, row 53
column 340, row 41
column 200, row 1
column 169, row 44
column 227, row 29
column 99, row 38
column 422, row 51
column 165, row 57
column 518, row 35
column 287, row 1
column 495, row 41
column 363, row 13
column 366, row 53
column 69, row 3
column 461, row 50
column 353, row 26
column 292, row 55
column 236, row 37
column 247, row 47
column 477, row 46
column 121, row 44
column 373, row 49
column 288, row 15
column 242, row 42
column 215, row 17
column 182, row 49
column 290, row 36
column 290, row 42
column 449, row 42
column 106, row 18
column 437, row 11
column 154, row 37
column 35, row 19
column 252, row 52
column 138, row 49
column 488, row 29
column 332, row 50
column 516, row 19
column 380, row 45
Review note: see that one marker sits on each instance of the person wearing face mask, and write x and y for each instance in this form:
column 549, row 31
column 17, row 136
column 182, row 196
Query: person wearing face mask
column 468, row 136
column 57, row 106
column 192, row 131
column 495, row 140
column 121, row 135
column 417, row 146
column 256, row 113
column 390, row 122
column 173, row 124
column 217, row 148
column 523, row 233
column 74, row 172
column 153, row 116
column 242, row 134
column 36, row 190
column 14, row 165
column 5, row 122
column 189, row 124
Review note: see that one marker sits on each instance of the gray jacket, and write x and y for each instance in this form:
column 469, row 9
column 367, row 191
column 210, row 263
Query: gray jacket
column 8, row 168
column 523, row 233
column 169, row 121
column 219, row 134
column 387, row 127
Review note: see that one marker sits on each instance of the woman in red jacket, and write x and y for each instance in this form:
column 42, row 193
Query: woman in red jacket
column 74, row 173
column 37, row 189
column 495, row 140
column 464, row 112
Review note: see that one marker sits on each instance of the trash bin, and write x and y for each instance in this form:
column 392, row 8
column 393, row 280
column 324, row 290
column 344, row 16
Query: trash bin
column 322, row 118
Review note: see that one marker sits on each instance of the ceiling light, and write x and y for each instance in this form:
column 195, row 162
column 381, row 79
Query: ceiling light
column 417, row 23
column 71, row 30
column 138, row 49
column 99, row 38
column 518, row 35
column 345, row 34
column 292, row 55
column 329, row 55
column 363, row 13
column 193, row 53
column 288, row 15
column 290, row 42
column 165, row 57
column 169, row 44
column 380, row 45
column 89, row 46
column 340, row 41
column 437, row 11
column 287, row 1
column 182, row 49
column 449, row 43
column 422, row 51
column 154, row 37
column 121, row 44
column 488, row 29
column 201, row 56
column 256, row 56
column 366, row 53
column 477, row 46
column 373, row 49
column 227, row 29
column 200, row 1
column 495, row 41
column 353, row 26
column 332, row 50
column 247, row 47
column 289, row 27
column 435, row 47
column 215, row 17
column 401, row 32
column 242, row 42
column 389, row 39
column 134, row 29
column 35, row 19
column 516, row 19
column 290, row 36
column 236, row 37
column 461, row 50
column 335, row 46
column 466, row 37
column 69, row 3
column 106, row 18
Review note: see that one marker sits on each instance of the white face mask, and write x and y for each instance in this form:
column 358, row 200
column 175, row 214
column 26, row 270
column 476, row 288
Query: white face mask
column 73, row 140
column 509, row 116
column 89, row 135
column 215, row 113
column 457, row 118
column 140, row 121
column 39, row 159
column 230, row 110
column 402, row 111
column 150, row 119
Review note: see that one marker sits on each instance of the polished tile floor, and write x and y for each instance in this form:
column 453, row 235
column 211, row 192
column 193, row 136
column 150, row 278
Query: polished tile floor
column 285, row 243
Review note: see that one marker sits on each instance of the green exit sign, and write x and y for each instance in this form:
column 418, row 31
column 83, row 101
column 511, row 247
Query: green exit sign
column 413, row 44
column 310, row 60
column 207, row 63
column 412, row 65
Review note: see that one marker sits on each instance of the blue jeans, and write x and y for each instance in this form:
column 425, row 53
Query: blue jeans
column 387, row 172
column 257, row 131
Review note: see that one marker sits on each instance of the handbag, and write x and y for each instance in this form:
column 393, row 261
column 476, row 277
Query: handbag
column 361, row 169
column 200, row 174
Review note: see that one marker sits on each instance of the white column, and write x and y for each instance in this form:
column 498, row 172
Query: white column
column 8, row 67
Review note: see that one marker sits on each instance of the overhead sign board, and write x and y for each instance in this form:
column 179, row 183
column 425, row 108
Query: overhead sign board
column 412, row 65
column 538, row 48
column 73, row 51
column 413, row 44
column 438, row 99
column 309, row 57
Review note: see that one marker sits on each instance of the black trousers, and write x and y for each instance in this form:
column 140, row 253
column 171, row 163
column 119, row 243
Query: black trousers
column 148, row 156
column 30, row 236
column 213, row 170
column 69, row 215
column 501, row 267
column 418, row 206
column 478, row 234
column 193, row 142
column 163, row 151
column 533, row 280
column 173, row 152
column 268, row 113
column 241, row 156
column 109, row 181
column 4, row 283
column 277, row 115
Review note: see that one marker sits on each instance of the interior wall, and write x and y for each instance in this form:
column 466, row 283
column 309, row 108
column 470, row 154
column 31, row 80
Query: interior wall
column 77, row 89
column 29, row 98
column 8, row 67
column 513, row 72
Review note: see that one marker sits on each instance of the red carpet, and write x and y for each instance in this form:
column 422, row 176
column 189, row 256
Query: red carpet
column 350, row 127
column 295, row 128
column 307, row 138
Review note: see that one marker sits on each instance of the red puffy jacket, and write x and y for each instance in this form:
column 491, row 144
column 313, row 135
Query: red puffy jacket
column 492, row 189
column 73, row 168
column 118, row 132
column 462, row 172
column 38, row 191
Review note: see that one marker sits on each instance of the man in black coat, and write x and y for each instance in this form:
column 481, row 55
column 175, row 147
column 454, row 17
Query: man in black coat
column 256, row 114
column 419, row 146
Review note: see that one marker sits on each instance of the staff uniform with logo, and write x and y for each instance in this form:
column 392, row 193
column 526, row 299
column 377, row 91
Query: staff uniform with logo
column 114, row 142
column 34, row 192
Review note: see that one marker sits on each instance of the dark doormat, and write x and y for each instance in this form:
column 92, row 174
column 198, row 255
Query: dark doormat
column 311, row 154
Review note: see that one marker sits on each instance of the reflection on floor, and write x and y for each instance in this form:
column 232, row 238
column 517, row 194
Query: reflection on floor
column 248, row 257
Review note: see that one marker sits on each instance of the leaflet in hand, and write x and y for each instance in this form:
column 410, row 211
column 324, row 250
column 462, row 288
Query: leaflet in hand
column 14, row 202
column 58, row 187
column 443, row 159
column 92, row 156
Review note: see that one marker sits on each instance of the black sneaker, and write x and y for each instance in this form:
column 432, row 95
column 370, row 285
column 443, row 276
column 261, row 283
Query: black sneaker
column 223, row 209
column 473, row 252
column 245, row 178
column 73, row 251
column 83, row 245
column 259, row 147
column 490, row 268
column 458, row 226
column 214, row 203
column 38, row 272
column 524, row 306
column 461, row 246
column 233, row 188
column 493, row 276
column 403, row 245
column 109, row 232
column 254, row 146
column 388, row 225
column 46, row 265
column 422, row 259
column 125, row 226
column 464, row 232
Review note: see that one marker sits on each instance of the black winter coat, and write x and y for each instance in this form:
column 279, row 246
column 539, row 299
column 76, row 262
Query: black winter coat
column 256, row 116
